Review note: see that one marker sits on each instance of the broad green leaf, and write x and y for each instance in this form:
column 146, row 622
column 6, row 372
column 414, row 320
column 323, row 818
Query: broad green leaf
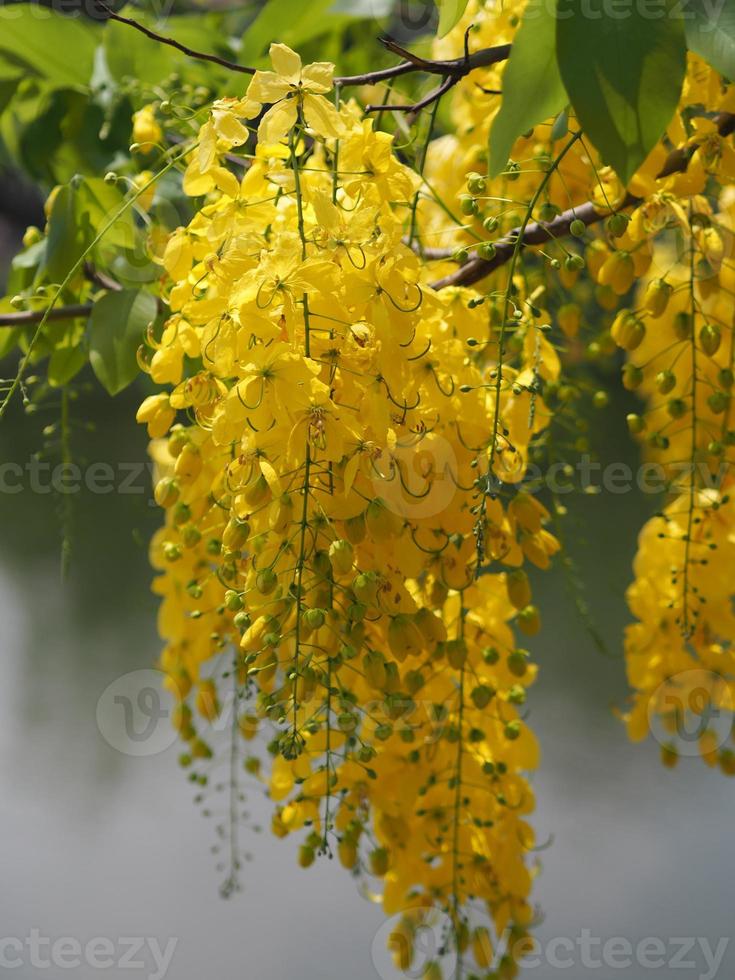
column 532, row 87
column 291, row 22
column 710, row 33
column 116, row 330
column 30, row 257
column 561, row 126
column 101, row 201
column 68, row 237
column 65, row 363
column 450, row 13
column 623, row 76
column 10, row 78
column 8, row 337
column 130, row 54
column 60, row 49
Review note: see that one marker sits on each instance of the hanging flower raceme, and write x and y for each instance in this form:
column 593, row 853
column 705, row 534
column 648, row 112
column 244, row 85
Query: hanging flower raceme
column 680, row 344
column 675, row 240
column 324, row 503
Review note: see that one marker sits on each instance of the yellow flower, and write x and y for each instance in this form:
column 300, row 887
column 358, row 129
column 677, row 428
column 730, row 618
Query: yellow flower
column 291, row 88
column 147, row 133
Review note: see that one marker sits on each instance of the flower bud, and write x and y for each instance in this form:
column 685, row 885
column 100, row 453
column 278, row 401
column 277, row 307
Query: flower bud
column 657, row 297
column 628, row 330
column 341, row 556
column 710, row 338
column 518, row 588
column 529, row 620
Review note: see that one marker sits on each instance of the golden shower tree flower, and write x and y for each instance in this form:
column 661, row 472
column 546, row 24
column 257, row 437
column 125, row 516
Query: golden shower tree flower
column 291, row 89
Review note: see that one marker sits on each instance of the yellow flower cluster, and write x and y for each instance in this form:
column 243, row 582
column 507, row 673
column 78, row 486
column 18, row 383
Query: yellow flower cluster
column 680, row 661
column 332, row 517
column 677, row 329
column 679, row 339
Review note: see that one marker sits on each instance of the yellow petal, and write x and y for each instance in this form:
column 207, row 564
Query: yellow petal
column 266, row 86
column 322, row 117
column 229, row 128
column 285, row 62
column 207, row 146
column 318, row 77
column 195, row 182
column 277, row 122
column 226, row 181
column 271, row 477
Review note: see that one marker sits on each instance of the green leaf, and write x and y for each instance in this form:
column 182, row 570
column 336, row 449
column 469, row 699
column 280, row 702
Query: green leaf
column 64, row 364
column 710, row 33
column 61, row 49
column 291, row 22
column 561, row 126
column 532, row 87
column 67, row 237
column 133, row 55
column 623, row 75
column 100, row 201
column 450, row 13
column 116, row 330
column 10, row 79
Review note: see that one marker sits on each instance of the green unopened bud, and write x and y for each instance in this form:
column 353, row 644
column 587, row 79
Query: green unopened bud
column 617, row 224
column 578, row 228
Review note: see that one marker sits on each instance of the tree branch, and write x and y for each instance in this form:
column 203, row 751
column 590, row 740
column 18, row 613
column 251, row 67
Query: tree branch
column 190, row 52
column 412, row 107
column 539, row 233
column 454, row 67
column 27, row 317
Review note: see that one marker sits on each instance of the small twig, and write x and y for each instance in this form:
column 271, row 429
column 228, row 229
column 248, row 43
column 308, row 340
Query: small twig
column 449, row 82
column 190, row 52
column 453, row 71
column 540, row 232
column 101, row 279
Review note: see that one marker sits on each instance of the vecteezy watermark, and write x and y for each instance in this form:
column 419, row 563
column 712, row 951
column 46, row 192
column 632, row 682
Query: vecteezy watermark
column 428, row 939
column 145, row 954
column 160, row 9
column 689, row 707
column 415, row 480
column 707, row 13
column 134, row 714
column 41, row 477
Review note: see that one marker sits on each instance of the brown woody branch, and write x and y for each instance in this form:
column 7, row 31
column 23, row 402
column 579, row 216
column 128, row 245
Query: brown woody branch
column 160, row 39
column 27, row 317
column 539, row 233
column 453, row 71
column 452, row 67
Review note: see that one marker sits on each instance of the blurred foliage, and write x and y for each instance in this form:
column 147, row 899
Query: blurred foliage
column 69, row 83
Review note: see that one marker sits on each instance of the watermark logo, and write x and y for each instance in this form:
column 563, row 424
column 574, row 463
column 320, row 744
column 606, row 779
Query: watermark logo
column 410, row 942
column 416, row 479
column 134, row 714
column 145, row 954
column 690, row 710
